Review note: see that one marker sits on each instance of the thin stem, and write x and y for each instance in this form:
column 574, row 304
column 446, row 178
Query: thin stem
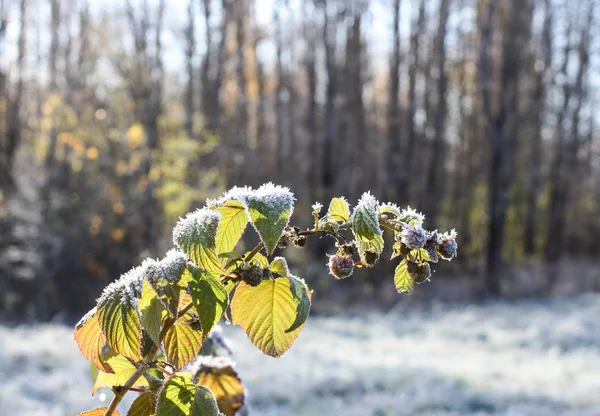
column 129, row 383
column 254, row 251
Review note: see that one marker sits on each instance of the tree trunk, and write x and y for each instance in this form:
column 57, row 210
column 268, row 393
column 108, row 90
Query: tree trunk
column 394, row 146
column 436, row 167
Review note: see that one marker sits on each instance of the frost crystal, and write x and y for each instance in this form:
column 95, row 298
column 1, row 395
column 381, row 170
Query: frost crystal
column 316, row 207
column 411, row 216
column 128, row 287
column 170, row 267
column 199, row 226
column 414, row 237
column 367, row 209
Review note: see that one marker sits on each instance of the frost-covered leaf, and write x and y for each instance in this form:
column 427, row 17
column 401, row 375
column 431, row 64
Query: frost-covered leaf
column 143, row 405
column 219, row 376
column 164, row 276
column 101, row 411
column 269, row 312
column 120, row 322
column 182, row 342
column 402, row 279
column 91, row 340
column 270, row 208
column 339, row 210
column 209, row 296
column 123, row 370
column 412, row 217
column 231, row 225
column 196, row 234
column 390, row 208
column 180, row 397
column 152, row 312
column 365, row 218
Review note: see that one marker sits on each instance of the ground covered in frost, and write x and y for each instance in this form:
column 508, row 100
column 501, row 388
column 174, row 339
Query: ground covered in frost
column 528, row 358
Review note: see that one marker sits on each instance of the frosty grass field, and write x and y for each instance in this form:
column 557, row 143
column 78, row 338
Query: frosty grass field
column 529, row 358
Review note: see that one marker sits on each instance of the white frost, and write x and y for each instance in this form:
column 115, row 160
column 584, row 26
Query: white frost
column 519, row 358
column 129, row 286
column 200, row 224
column 170, row 267
column 367, row 208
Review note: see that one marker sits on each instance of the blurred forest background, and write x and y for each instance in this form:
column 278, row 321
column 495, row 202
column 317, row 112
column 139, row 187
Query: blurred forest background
column 119, row 116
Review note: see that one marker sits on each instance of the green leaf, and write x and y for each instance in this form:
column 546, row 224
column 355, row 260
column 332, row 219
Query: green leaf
column 123, row 370
column 225, row 384
column 375, row 245
column 365, row 219
column 270, row 208
column 121, row 326
column 91, row 340
column 299, row 290
column 152, row 312
column 209, row 295
column 339, row 210
column 143, row 405
column 231, row 225
column 260, row 260
column 196, row 234
column 97, row 412
column 402, row 279
column 180, row 397
column 270, row 313
column 420, row 255
column 182, row 343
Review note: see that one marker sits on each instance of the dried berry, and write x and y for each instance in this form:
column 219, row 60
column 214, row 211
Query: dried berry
column 284, row 241
column 300, row 241
column 447, row 248
column 253, row 275
column 422, row 272
column 413, row 236
column 340, row 266
column 431, row 246
column 369, row 258
column 348, row 249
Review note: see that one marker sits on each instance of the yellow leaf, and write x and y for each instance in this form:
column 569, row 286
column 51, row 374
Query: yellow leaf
column 91, row 340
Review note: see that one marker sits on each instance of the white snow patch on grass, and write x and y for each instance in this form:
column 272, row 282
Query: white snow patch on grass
column 515, row 359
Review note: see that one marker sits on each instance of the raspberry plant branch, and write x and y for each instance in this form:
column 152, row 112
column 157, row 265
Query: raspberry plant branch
column 171, row 306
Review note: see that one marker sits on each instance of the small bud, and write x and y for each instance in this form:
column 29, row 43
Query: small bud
column 253, row 275
column 340, row 266
column 300, row 241
column 413, row 236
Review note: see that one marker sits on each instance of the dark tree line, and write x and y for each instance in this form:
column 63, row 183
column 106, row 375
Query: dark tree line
column 114, row 121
